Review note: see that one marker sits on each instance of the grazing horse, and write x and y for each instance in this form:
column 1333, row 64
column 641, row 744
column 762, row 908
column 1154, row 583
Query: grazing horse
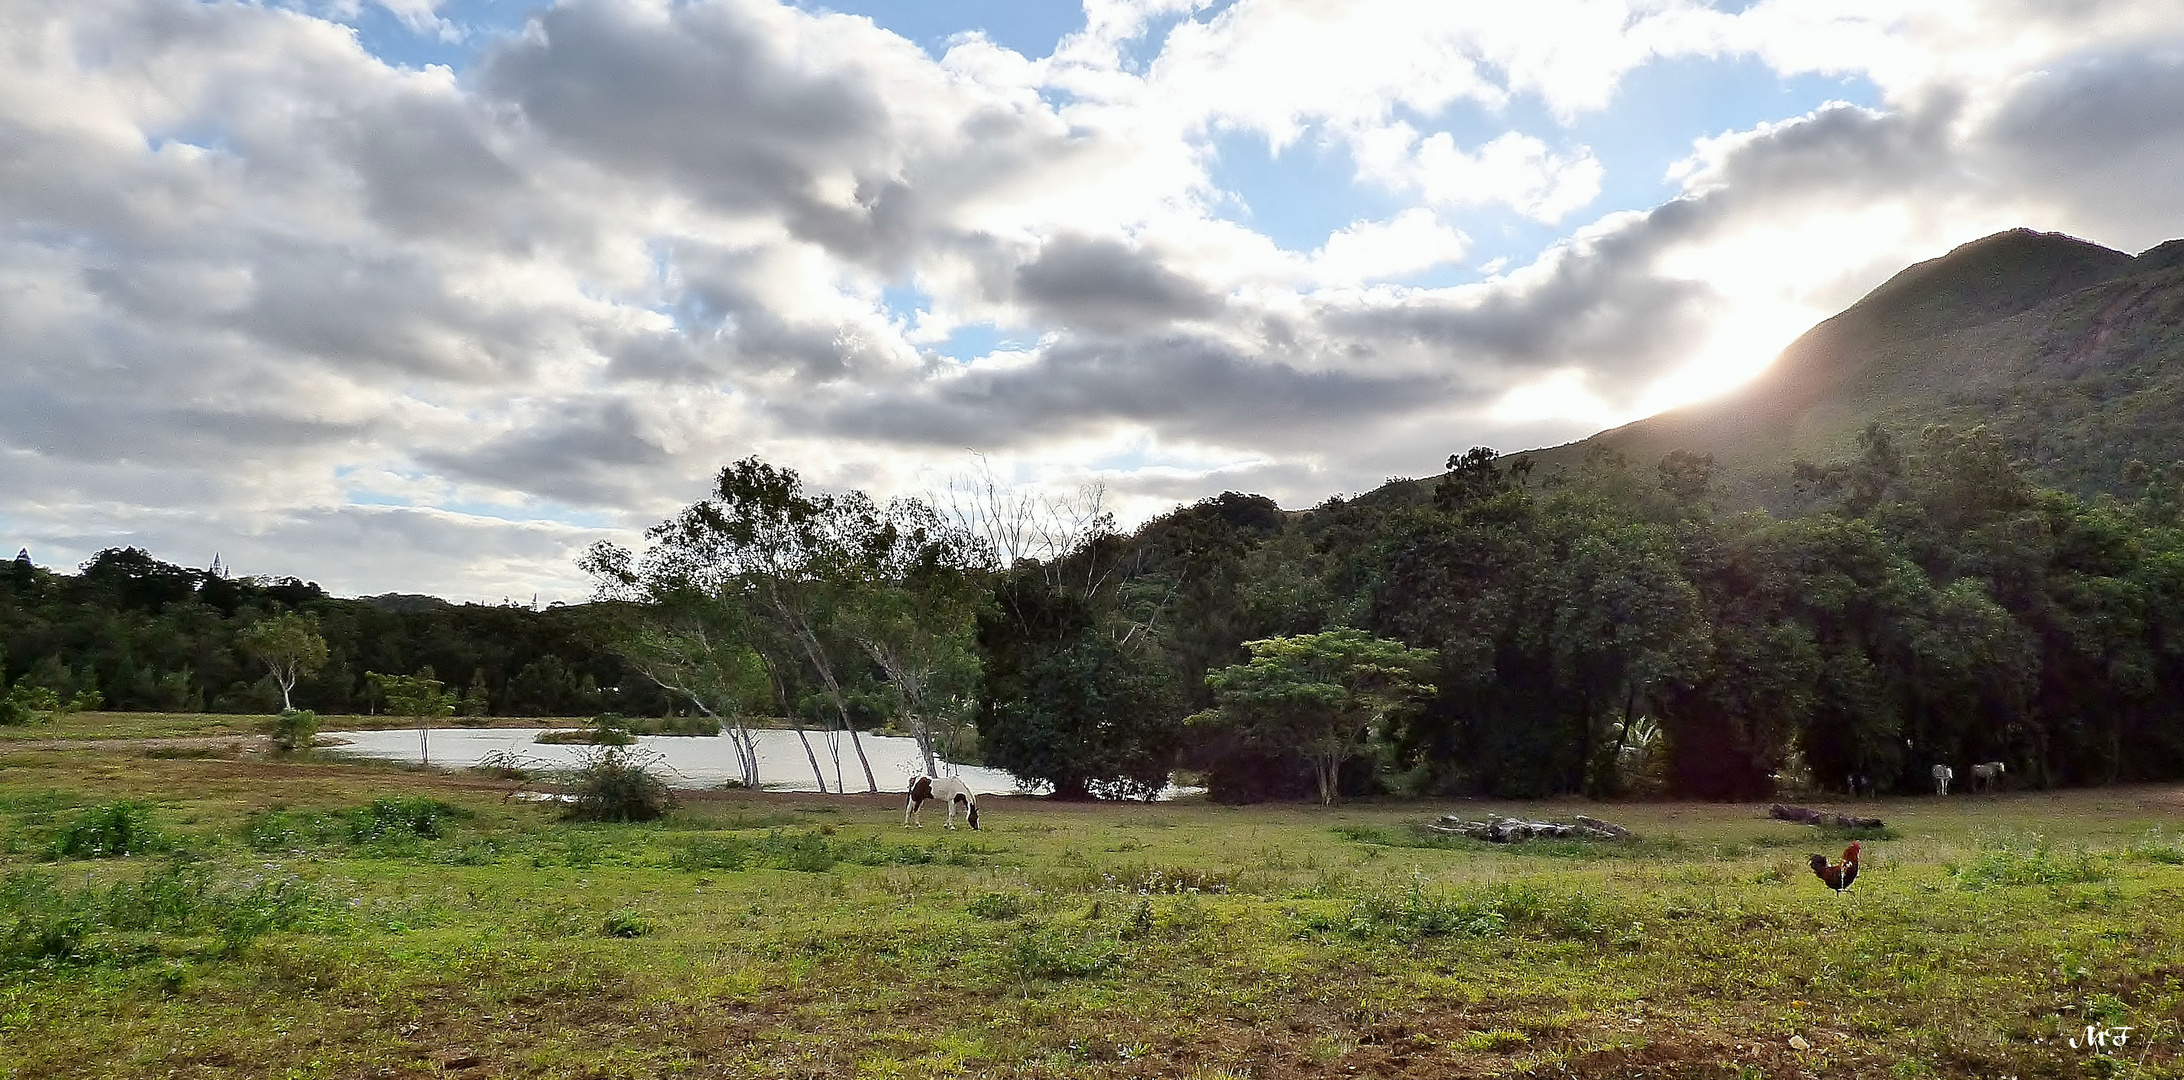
column 1987, row 774
column 1942, row 775
column 950, row 788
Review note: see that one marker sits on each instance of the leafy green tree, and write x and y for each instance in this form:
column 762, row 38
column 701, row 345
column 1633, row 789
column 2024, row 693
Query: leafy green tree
column 1318, row 694
column 1096, row 717
column 290, row 647
column 1073, row 693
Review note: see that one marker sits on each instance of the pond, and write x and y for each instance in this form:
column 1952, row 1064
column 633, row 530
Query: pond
column 688, row 762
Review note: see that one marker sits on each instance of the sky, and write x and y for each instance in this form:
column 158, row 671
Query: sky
column 430, row 295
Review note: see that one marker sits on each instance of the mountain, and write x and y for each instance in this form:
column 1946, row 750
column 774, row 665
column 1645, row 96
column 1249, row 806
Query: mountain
column 2070, row 351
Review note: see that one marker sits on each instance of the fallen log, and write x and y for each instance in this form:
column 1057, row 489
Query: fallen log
column 1806, row 816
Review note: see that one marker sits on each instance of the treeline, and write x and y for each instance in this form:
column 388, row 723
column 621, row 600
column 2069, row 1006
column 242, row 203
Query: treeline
column 134, row 633
column 1608, row 629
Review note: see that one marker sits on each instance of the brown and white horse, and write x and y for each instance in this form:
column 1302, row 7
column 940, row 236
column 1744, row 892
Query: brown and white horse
column 949, row 788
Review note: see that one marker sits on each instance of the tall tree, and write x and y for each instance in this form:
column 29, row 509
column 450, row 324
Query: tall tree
column 290, row 647
column 1319, row 694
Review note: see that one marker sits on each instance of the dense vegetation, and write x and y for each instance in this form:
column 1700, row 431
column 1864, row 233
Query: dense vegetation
column 146, row 635
column 1603, row 629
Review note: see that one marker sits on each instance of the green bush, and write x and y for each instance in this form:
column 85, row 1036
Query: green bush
column 26, row 704
column 293, row 728
column 384, row 819
column 380, row 821
column 112, row 831
column 614, row 785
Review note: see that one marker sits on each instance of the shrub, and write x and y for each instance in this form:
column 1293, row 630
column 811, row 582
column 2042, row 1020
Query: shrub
column 384, row 819
column 615, row 785
column 112, row 831
column 378, row 821
column 293, row 728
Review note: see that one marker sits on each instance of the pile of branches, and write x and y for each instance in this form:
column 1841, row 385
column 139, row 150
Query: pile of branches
column 1806, row 816
column 1501, row 830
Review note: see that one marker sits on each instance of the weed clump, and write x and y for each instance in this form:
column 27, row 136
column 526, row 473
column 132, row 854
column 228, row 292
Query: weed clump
column 998, row 906
column 112, row 831
column 1416, row 913
column 384, row 819
column 292, row 729
column 615, row 785
column 381, row 821
column 45, row 925
column 627, row 924
column 2007, row 863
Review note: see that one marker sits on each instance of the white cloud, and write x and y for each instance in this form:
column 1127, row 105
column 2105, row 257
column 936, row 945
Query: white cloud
column 1513, row 169
column 249, row 272
column 1408, row 243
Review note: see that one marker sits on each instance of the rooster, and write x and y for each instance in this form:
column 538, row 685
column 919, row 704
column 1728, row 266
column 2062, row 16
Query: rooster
column 1839, row 875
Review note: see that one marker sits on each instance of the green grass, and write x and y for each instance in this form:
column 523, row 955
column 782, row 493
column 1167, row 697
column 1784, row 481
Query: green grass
column 304, row 918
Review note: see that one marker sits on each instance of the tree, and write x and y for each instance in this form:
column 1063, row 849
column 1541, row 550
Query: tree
column 289, row 646
column 1319, row 694
column 913, row 612
column 422, row 696
column 697, row 647
column 817, row 583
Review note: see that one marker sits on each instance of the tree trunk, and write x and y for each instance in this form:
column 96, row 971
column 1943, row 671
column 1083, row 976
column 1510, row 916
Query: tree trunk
column 810, row 641
column 817, row 773
column 925, row 743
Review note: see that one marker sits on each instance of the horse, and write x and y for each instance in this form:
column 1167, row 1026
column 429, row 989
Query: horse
column 950, row 788
column 1987, row 773
column 1942, row 775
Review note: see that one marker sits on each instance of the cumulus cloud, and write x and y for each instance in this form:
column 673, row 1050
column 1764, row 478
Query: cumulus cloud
column 254, row 277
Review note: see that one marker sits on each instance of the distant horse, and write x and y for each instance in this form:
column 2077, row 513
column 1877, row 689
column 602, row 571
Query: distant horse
column 1942, row 775
column 950, row 788
column 1987, row 774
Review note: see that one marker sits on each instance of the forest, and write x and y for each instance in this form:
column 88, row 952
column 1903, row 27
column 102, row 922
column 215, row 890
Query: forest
column 1606, row 627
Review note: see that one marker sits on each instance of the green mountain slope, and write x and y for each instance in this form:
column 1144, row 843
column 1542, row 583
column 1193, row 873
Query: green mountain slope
column 2072, row 352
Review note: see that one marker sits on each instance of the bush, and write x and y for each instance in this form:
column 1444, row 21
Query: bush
column 378, row 821
column 615, row 785
column 112, row 831
column 293, row 728
column 26, row 704
column 384, row 819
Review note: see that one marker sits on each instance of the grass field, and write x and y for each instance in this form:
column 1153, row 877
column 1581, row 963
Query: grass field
column 304, row 918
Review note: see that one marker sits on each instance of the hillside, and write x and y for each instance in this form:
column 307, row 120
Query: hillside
column 2072, row 352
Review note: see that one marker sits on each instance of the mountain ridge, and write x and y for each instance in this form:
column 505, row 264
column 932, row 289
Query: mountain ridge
column 2072, row 352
